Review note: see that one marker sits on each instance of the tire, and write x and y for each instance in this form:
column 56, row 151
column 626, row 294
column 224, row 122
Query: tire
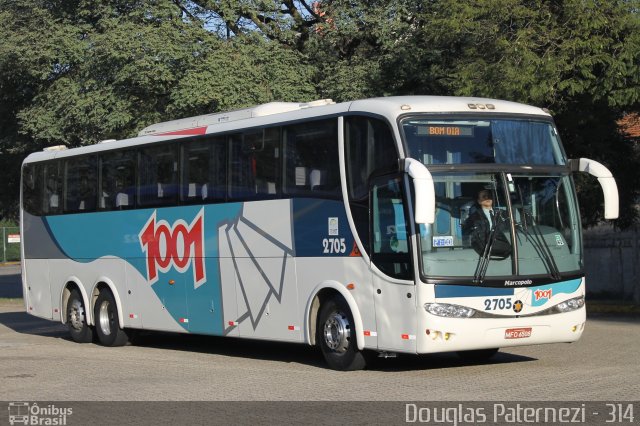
column 336, row 336
column 478, row 355
column 105, row 315
column 77, row 325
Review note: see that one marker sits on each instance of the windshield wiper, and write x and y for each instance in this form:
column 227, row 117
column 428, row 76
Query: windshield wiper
column 485, row 258
column 537, row 241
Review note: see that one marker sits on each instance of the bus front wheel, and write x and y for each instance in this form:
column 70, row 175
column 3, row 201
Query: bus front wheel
column 106, row 319
column 79, row 330
column 336, row 335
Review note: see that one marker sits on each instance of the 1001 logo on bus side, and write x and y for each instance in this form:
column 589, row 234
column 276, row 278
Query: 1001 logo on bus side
column 178, row 246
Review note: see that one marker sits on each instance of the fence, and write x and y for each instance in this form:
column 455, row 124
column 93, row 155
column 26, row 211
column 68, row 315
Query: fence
column 10, row 244
column 611, row 259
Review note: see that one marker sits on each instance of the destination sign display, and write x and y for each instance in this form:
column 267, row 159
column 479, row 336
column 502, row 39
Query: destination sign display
column 445, row 130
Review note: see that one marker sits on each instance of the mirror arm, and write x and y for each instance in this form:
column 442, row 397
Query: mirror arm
column 606, row 180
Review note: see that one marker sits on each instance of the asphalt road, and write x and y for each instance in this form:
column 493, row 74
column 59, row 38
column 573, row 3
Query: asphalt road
column 39, row 362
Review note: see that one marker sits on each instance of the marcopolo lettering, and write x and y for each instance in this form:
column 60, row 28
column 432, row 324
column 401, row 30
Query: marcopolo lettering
column 516, row 283
column 177, row 246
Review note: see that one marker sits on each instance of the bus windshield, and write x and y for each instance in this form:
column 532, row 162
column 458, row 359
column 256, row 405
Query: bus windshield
column 486, row 220
column 473, row 141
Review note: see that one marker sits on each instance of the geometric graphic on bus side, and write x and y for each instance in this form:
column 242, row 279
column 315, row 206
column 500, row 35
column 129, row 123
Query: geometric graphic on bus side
column 259, row 246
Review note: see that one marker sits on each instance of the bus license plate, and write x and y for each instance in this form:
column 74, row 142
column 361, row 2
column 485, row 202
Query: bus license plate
column 517, row 333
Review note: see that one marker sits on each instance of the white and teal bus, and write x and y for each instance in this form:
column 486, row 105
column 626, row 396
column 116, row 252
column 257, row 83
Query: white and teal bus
column 348, row 226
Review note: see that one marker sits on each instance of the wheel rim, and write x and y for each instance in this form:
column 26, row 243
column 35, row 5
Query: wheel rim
column 76, row 315
column 337, row 332
column 105, row 318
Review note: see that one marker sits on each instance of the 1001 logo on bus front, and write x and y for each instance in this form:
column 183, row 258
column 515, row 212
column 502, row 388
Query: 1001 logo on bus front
column 178, row 246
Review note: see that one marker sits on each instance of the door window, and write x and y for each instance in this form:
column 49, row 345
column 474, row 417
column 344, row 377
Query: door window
column 390, row 236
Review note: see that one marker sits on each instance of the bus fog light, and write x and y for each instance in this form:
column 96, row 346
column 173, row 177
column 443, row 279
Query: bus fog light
column 570, row 305
column 449, row 311
column 578, row 327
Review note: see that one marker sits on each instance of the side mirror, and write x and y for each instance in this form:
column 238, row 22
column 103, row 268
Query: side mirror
column 607, row 182
column 425, row 202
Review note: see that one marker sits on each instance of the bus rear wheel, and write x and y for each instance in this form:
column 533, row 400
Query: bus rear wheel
column 106, row 319
column 336, row 335
column 77, row 325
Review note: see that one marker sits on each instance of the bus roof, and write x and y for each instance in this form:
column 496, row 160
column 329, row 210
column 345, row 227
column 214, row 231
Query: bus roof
column 284, row 112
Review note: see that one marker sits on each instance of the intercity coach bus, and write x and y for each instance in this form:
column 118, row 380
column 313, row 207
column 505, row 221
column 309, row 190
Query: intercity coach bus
column 359, row 227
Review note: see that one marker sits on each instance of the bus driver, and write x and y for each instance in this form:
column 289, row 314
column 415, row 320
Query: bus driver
column 481, row 222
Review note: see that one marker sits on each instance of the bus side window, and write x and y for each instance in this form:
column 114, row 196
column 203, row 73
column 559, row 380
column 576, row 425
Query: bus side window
column 117, row 180
column 266, row 153
column 158, row 175
column 311, row 159
column 204, row 170
column 241, row 168
column 80, row 184
column 195, row 171
column 52, row 202
column 256, row 164
column 32, row 197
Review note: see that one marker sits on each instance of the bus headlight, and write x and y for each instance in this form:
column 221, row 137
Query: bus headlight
column 570, row 305
column 450, row 311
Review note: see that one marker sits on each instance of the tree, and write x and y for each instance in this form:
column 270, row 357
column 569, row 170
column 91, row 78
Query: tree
column 77, row 72
column 105, row 69
column 578, row 58
column 74, row 72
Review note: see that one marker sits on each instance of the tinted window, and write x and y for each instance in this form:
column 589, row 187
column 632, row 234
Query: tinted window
column 52, row 199
column 158, row 175
column 204, row 170
column 118, row 180
column 80, row 184
column 32, row 188
column 390, row 245
column 370, row 150
column 312, row 162
column 255, row 164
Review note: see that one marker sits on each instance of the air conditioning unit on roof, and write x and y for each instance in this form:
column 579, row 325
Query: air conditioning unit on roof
column 198, row 124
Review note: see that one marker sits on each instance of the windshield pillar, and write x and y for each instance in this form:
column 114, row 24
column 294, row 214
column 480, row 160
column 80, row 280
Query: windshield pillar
column 507, row 183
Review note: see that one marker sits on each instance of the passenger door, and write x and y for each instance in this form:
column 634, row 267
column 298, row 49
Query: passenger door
column 392, row 270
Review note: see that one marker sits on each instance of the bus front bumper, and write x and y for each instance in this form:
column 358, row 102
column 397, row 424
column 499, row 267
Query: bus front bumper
column 439, row 334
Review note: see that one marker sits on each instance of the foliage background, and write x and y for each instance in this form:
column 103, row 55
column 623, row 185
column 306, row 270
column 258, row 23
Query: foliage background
column 75, row 72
